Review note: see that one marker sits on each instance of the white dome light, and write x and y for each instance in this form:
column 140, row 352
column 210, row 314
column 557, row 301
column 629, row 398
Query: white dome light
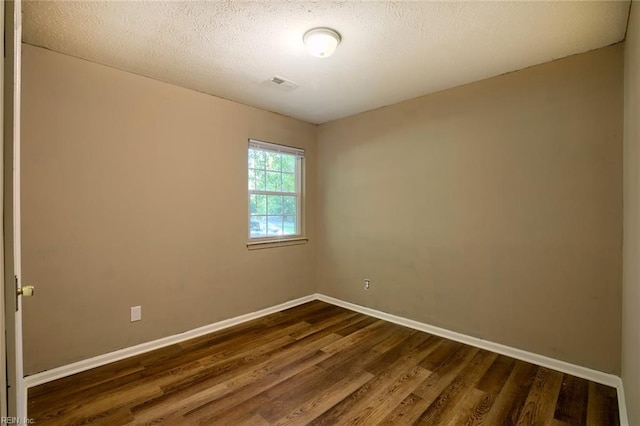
column 321, row 42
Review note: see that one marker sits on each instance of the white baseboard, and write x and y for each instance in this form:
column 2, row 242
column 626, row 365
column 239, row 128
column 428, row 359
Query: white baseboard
column 565, row 367
column 541, row 360
column 100, row 360
column 622, row 404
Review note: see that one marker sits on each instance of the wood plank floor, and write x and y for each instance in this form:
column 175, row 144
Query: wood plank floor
column 322, row 365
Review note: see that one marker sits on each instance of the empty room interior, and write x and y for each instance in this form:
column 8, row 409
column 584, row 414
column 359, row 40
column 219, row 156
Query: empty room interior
column 319, row 212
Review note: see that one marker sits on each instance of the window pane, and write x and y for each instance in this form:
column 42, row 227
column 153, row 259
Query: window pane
column 274, row 161
column 259, row 159
column 257, row 226
column 252, row 179
column 258, row 204
column 288, row 182
column 274, row 182
column 288, row 163
column 253, row 158
column 259, row 177
column 289, row 206
column 290, row 226
column 274, row 225
column 274, row 204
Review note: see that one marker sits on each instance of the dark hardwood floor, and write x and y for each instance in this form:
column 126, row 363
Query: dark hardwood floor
column 323, row 365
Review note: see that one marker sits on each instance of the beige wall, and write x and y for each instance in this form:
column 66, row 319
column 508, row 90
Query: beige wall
column 492, row 209
column 134, row 193
column 631, row 248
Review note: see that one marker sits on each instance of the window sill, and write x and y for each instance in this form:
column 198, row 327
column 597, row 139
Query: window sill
column 285, row 242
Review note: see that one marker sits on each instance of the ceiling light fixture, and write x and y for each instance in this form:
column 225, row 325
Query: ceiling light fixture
column 321, row 42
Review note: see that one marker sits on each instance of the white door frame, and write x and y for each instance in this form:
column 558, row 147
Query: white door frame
column 21, row 392
column 3, row 346
column 12, row 325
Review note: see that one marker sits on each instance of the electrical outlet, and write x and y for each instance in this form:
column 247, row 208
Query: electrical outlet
column 136, row 313
column 367, row 284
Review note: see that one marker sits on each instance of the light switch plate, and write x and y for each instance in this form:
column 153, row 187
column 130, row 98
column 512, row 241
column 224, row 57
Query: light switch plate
column 136, row 313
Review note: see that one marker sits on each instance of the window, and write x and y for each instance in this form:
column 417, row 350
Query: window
column 275, row 191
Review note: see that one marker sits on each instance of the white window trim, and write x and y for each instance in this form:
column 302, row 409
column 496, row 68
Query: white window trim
column 268, row 146
column 280, row 240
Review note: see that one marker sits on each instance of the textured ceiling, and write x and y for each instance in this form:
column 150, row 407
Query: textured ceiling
column 390, row 51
